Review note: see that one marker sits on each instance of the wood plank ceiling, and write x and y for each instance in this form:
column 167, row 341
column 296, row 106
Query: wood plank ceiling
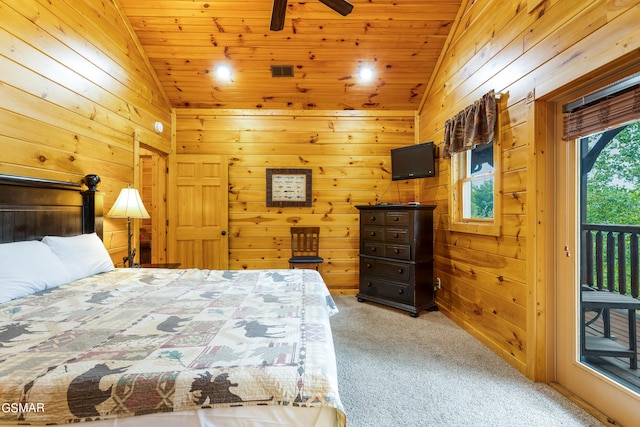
column 186, row 40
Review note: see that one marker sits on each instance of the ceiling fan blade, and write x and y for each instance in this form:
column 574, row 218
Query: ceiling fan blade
column 343, row 7
column 277, row 14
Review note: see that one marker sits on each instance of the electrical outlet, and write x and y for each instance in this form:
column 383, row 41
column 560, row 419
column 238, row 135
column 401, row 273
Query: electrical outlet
column 438, row 283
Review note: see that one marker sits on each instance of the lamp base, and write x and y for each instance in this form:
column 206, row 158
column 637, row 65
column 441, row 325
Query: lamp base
column 128, row 261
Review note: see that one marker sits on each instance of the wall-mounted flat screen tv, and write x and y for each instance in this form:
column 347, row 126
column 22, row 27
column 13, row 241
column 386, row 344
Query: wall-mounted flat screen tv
column 413, row 161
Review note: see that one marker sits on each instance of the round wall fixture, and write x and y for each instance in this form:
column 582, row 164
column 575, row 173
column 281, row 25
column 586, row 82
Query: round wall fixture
column 158, row 126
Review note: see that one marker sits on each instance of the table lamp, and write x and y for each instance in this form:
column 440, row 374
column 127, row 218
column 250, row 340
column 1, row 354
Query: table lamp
column 129, row 205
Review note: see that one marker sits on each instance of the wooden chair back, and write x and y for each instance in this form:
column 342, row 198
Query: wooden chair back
column 304, row 241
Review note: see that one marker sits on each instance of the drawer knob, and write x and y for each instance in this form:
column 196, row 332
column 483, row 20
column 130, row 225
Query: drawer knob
column 373, row 233
column 395, row 218
column 373, row 218
column 397, row 251
column 369, row 284
column 400, row 291
column 396, row 235
column 373, row 249
column 400, row 270
column 369, row 265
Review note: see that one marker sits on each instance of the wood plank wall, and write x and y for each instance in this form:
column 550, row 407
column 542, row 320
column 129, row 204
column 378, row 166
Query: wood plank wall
column 524, row 50
column 74, row 88
column 348, row 153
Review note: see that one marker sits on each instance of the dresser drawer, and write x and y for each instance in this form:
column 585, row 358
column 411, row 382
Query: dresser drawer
column 373, row 249
column 396, row 271
column 373, row 217
column 396, row 235
column 392, row 291
column 397, row 251
column 396, row 218
column 373, row 233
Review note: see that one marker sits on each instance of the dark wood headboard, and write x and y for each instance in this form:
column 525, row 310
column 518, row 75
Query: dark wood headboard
column 32, row 208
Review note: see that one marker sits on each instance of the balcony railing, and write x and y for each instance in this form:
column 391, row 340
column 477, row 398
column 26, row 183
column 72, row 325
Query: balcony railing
column 610, row 258
column 610, row 262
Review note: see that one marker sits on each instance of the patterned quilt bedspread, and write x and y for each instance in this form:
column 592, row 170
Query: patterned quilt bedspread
column 138, row 341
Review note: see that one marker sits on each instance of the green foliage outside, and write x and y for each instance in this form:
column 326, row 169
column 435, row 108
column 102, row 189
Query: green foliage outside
column 613, row 189
column 613, row 185
column 482, row 200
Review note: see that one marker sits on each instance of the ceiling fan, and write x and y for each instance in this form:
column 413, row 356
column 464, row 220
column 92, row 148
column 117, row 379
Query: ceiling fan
column 343, row 7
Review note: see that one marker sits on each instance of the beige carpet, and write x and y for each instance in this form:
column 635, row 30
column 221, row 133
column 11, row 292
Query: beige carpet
column 395, row 370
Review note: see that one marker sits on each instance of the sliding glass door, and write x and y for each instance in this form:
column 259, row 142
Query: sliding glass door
column 596, row 196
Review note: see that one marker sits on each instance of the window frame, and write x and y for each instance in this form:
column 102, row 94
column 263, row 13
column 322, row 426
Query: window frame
column 492, row 227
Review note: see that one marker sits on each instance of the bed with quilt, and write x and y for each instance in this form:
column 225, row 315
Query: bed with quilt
column 81, row 341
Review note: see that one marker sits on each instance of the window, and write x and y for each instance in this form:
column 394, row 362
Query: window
column 475, row 203
column 469, row 141
column 476, row 182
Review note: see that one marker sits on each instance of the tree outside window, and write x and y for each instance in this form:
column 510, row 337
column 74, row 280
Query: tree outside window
column 613, row 182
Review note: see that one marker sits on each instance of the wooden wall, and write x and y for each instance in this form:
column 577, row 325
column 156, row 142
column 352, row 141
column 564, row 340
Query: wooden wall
column 524, row 50
column 77, row 97
column 348, row 153
column 74, row 88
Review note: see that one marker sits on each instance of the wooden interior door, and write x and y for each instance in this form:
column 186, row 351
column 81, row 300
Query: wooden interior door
column 198, row 203
column 153, row 190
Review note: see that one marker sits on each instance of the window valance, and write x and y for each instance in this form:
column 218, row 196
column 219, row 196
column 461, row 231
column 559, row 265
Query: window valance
column 472, row 126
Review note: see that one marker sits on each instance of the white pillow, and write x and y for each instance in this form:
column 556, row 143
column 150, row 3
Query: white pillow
column 83, row 255
column 28, row 267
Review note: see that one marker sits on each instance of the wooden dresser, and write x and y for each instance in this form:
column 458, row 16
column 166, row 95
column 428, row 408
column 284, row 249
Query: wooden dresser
column 396, row 256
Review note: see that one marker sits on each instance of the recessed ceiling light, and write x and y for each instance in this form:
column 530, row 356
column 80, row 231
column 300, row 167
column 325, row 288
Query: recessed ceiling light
column 223, row 72
column 365, row 73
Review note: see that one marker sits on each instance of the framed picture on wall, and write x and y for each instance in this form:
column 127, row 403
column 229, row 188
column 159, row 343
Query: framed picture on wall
column 288, row 187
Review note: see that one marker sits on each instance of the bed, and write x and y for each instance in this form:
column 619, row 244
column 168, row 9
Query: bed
column 86, row 342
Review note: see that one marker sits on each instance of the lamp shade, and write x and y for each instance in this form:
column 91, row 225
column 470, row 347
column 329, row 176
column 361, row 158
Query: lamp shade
column 128, row 205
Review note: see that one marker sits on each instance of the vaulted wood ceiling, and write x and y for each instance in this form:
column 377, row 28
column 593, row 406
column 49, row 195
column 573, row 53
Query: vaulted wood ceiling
column 400, row 39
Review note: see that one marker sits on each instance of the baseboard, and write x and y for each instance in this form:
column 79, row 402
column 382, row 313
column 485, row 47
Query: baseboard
column 339, row 291
column 595, row 413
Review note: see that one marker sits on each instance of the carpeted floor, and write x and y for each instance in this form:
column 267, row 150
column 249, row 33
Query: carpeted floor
column 395, row 370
